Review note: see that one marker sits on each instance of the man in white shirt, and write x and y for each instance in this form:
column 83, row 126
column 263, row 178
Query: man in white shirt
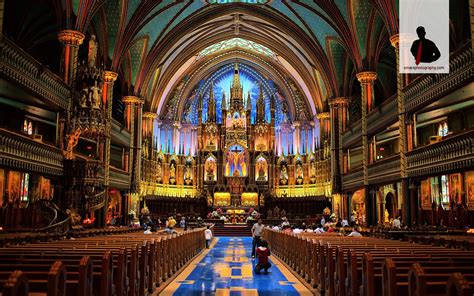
column 355, row 233
column 396, row 223
column 208, row 236
column 257, row 229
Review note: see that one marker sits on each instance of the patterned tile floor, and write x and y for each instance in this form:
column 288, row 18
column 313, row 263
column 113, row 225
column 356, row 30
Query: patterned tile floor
column 227, row 269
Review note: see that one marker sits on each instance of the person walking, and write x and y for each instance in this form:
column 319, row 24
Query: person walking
column 208, row 236
column 257, row 229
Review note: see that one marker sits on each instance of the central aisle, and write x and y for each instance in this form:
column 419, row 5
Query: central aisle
column 227, row 269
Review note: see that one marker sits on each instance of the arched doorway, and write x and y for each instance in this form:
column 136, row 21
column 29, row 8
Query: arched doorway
column 390, row 205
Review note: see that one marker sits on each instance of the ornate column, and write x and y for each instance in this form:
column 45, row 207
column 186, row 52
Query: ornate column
column 324, row 134
column 107, row 92
column 338, row 109
column 70, row 41
column 402, row 131
column 130, row 125
column 366, row 80
column 138, row 150
column 109, row 79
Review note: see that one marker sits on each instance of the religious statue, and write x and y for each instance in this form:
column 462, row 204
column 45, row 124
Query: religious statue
column 261, row 169
column 72, row 140
column 75, row 218
column 299, row 173
column 313, row 169
column 187, row 176
column 283, row 175
column 84, row 97
column 92, row 54
column 386, row 216
column 95, row 94
column 159, row 173
column 172, row 173
column 262, row 200
column 210, row 169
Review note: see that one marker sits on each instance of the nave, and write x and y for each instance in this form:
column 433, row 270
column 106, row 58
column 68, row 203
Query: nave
column 228, row 269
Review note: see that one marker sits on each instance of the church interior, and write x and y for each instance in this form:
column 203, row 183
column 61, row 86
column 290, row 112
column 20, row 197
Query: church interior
column 129, row 128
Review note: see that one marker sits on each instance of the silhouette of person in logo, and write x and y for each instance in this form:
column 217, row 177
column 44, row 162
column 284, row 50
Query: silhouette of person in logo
column 424, row 50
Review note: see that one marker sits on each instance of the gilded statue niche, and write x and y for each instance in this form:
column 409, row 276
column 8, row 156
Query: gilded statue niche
column 261, row 169
column 210, row 169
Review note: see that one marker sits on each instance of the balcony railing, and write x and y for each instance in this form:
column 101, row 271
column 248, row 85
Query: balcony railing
column 418, row 93
column 377, row 120
column 427, row 88
column 19, row 67
column 385, row 171
column 119, row 179
column 452, row 154
column 120, row 135
column 19, row 151
column 353, row 179
column 166, row 190
column 310, row 190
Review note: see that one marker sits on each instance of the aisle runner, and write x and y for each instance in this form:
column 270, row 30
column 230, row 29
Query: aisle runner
column 227, row 269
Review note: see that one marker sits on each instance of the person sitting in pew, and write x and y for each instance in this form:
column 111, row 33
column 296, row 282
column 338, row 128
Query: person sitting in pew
column 396, row 223
column 319, row 229
column 355, row 232
column 148, row 230
column 170, row 230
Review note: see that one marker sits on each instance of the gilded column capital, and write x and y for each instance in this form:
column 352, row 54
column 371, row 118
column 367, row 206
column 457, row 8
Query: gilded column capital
column 343, row 101
column 366, row 77
column 71, row 37
column 110, row 76
column 150, row 115
column 132, row 100
column 395, row 40
column 323, row 115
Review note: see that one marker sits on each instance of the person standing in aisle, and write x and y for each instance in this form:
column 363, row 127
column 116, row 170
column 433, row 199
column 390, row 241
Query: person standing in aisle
column 208, row 236
column 257, row 229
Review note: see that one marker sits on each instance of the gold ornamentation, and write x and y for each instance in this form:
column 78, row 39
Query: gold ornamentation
column 71, row 37
column 132, row 100
column 150, row 115
column 72, row 140
column 366, row 77
column 339, row 101
column 323, row 115
column 110, row 76
column 395, row 40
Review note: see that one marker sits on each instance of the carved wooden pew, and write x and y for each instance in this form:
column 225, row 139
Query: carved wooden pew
column 14, row 284
column 395, row 271
column 460, row 285
column 431, row 280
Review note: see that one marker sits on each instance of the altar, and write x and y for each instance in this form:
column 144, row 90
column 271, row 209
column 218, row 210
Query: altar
column 226, row 200
column 235, row 209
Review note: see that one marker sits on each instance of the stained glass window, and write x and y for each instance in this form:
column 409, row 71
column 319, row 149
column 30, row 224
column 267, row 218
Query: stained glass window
column 444, row 189
column 24, row 187
column 237, row 42
column 28, row 127
column 443, row 129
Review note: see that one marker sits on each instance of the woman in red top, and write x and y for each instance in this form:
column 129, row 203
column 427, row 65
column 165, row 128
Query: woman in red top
column 262, row 254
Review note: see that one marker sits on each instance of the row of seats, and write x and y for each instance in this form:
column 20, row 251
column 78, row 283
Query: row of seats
column 9, row 239
column 449, row 241
column 371, row 266
column 132, row 264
